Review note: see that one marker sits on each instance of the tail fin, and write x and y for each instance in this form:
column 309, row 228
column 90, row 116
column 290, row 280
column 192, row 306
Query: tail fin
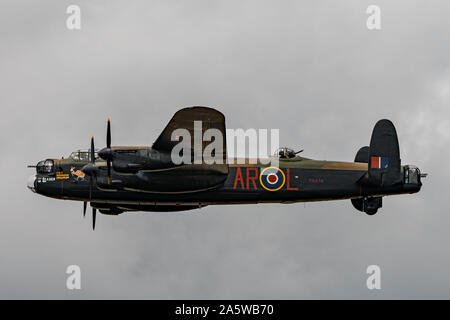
column 363, row 155
column 384, row 155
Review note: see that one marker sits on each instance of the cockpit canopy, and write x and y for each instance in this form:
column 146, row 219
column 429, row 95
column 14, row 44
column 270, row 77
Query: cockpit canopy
column 83, row 155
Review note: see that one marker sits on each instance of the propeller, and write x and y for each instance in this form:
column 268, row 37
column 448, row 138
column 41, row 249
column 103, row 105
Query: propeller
column 90, row 169
column 106, row 153
column 108, row 145
column 94, row 213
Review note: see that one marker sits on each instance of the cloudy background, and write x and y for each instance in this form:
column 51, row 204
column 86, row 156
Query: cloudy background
column 310, row 68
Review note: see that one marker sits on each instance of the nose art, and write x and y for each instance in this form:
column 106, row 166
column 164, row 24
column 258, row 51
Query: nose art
column 31, row 183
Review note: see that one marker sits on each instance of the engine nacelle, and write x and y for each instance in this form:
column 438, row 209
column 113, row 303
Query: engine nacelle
column 129, row 160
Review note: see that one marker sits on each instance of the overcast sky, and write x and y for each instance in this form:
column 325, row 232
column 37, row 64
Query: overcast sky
column 310, row 68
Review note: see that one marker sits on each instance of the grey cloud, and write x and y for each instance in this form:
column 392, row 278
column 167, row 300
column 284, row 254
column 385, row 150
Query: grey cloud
column 311, row 69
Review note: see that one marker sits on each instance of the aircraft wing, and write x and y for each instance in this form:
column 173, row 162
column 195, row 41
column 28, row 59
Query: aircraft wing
column 196, row 120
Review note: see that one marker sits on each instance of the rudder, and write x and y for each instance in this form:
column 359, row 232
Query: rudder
column 384, row 155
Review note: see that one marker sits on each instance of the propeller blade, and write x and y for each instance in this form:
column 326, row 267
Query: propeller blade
column 90, row 169
column 94, row 213
column 108, row 145
column 108, row 134
column 84, row 208
column 92, row 150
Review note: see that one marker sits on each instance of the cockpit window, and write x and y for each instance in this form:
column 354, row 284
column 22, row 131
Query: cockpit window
column 82, row 155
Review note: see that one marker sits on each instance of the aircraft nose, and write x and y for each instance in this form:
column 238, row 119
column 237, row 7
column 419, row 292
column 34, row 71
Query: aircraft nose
column 31, row 184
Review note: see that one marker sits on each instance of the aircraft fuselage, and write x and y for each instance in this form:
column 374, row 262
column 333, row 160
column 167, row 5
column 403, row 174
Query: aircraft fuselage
column 299, row 179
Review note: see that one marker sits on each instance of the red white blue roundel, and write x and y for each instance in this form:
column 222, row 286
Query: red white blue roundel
column 272, row 178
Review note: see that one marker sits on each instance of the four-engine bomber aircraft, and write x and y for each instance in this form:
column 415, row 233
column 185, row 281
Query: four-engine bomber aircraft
column 121, row 179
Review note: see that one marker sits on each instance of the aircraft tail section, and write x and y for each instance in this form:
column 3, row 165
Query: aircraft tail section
column 384, row 168
column 384, row 155
column 363, row 155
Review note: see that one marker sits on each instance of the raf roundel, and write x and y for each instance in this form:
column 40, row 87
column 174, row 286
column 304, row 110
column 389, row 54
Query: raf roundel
column 272, row 178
